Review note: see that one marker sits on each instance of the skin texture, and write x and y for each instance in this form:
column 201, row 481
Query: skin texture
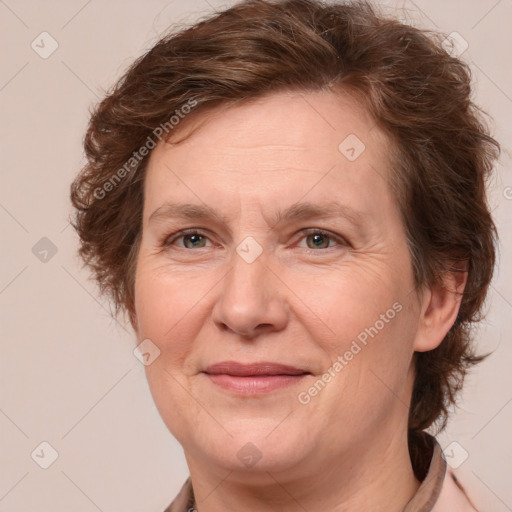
column 298, row 304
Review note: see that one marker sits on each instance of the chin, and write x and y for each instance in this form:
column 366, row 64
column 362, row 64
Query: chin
column 256, row 450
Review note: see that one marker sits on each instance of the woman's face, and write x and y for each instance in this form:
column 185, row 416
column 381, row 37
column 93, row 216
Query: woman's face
column 295, row 254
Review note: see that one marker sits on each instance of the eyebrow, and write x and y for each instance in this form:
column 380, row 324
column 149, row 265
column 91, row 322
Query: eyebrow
column 295, row 212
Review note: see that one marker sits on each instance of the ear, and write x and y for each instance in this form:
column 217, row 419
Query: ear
column 439, row 308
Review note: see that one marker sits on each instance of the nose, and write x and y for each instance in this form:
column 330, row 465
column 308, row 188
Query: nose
column 252, row 300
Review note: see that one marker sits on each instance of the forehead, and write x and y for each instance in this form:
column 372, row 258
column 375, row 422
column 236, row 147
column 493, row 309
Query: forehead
column 283, row 144
column 277, row 121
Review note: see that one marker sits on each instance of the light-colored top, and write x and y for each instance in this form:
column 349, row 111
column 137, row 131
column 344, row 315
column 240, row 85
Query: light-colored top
column 439, row 491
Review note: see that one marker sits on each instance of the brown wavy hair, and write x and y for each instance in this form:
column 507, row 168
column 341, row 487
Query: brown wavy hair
column 418, row 94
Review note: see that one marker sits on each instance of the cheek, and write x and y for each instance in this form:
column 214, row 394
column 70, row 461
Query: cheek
column 379, row 357
column 165, row 295
column 371, row 328
column 348, row 304
column 169, row 310
column 175, row 403
column 370, row 359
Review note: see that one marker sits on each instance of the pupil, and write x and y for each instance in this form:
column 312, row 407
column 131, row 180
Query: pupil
column 194, row 239
column 318, row 240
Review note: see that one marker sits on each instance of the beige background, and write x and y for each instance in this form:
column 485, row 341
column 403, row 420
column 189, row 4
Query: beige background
column 67, row 372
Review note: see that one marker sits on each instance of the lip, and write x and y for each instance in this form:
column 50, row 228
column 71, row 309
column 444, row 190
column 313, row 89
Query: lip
column 252, row 369
column 253, row 378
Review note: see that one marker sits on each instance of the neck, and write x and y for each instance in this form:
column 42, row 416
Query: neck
column 372, row 476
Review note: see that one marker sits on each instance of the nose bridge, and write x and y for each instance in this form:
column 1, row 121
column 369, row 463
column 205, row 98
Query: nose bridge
column 250, row 298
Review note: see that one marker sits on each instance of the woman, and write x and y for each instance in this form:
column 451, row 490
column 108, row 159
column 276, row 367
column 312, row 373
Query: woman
column 288, row 200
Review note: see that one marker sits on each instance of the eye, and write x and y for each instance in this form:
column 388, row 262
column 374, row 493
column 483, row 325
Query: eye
column 195, row 239
column 191, row 239
column 319, row 239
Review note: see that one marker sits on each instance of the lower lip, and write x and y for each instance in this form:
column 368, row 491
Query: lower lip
column 254, row 385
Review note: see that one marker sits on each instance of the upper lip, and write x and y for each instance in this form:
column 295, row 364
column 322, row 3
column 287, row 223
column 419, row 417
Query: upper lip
column 252, row 369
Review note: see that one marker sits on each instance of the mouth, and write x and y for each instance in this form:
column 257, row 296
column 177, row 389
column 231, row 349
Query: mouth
column 254, row 378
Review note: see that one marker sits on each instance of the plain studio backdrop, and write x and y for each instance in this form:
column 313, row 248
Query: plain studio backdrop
column 73, row 396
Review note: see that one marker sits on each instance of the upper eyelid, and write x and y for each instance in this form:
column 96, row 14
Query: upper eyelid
column 185, row 232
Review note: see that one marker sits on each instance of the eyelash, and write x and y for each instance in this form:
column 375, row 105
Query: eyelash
column 168, row 240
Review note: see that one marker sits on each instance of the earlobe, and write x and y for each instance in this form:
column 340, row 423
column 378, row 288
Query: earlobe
column 439, row 309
